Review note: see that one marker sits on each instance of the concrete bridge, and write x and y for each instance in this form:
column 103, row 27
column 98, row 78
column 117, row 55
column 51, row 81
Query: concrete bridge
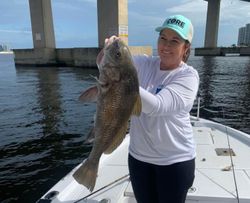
column 45, row 52
column 109, row 23
column 211, row 34
column 222, row 51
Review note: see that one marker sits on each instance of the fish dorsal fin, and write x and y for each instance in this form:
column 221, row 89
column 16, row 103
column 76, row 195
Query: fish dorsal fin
column 117, row 140
column 137, row 107
column 89, row 95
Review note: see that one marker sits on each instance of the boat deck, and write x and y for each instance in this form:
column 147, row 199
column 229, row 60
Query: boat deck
column 215, row 179
column 214, row 172
column 214, row 175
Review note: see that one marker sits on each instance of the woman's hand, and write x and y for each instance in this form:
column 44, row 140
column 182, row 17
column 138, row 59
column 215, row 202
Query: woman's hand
column 108, row 41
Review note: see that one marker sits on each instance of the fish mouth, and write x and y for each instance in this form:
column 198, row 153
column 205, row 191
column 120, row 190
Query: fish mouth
column 116, row 42
column 106, row 47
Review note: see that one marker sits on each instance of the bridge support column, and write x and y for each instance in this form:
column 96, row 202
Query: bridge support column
column 42, row 24
column 112, row 19
column 213, row 13
column 44, row 52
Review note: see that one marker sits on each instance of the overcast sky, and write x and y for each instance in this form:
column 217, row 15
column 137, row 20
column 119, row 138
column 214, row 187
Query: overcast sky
column 75, row 21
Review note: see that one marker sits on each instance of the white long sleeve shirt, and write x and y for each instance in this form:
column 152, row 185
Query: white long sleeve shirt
column 163, row 134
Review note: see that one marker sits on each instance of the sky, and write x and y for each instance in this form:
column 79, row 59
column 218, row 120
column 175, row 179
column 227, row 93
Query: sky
column 75, row 21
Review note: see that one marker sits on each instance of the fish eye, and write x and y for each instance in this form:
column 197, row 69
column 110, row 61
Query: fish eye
column 118, row 54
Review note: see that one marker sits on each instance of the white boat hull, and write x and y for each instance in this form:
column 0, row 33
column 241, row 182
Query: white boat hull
column 216, row 181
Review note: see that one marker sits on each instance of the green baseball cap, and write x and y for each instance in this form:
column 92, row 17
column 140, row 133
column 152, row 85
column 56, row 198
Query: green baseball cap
column 179, row 24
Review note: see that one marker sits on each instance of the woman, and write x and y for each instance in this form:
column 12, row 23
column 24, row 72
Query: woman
column 162, row 150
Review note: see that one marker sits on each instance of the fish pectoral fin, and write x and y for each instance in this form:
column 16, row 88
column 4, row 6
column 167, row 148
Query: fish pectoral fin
column 117, row 140
column 137, row 107
column 89, row 95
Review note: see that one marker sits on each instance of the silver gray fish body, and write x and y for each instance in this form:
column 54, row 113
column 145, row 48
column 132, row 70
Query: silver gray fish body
column 117, row 97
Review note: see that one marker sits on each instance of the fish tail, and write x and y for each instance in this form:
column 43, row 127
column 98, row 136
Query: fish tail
column 86, row 174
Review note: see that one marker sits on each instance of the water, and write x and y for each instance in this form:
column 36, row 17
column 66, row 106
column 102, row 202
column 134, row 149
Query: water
column 43, row 125
column 225, row 90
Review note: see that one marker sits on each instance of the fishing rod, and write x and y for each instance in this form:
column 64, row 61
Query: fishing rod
column 115, row 181
column 231, row 159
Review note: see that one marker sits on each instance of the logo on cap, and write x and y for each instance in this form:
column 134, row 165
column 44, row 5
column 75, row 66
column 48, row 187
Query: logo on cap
column 176, row 22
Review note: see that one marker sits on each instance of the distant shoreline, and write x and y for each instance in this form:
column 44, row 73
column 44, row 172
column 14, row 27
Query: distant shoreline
column 6, row 52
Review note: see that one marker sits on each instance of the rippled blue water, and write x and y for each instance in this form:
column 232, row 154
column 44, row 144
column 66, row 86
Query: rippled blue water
column 43, row 125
